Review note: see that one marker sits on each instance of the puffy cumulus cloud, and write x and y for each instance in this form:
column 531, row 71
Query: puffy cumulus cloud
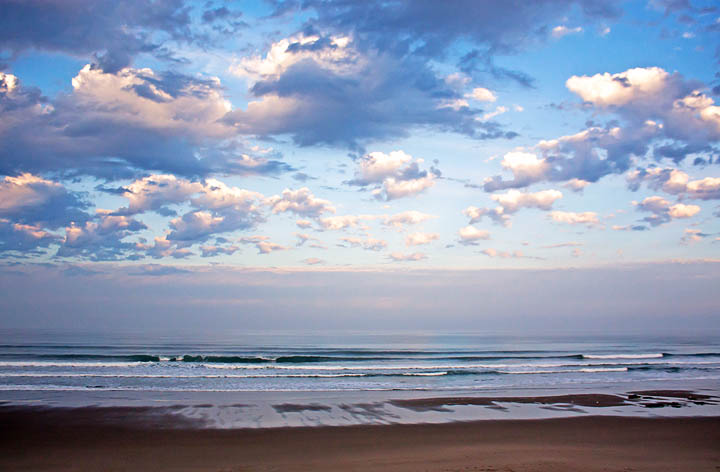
column 168, row 103
column 263, row 244
column 470, row 235
column 653, row 97
column 411, row 257
column 662, row 115
column 101, row 239
column 632, row 86
column 163, row 247
column 393, row 188
column 33, row 200
column 514, row 200
column 24, row 240
column 369, row 243
column 588, row 218
column 333, row 53
column 156, row 192
column 497, row 214
column 218, row 208
column 301, row 202
column 662, row 211
column 218, row 196
column 113, row 31
column 197, row 225
column 526, row 167
column 375, row 167
column 675, row 182
column 577, row 159
column 418, row 239
column 329, row 89
column 481, row 95
column 115, row 125
column 395, row 174
column 511, row 202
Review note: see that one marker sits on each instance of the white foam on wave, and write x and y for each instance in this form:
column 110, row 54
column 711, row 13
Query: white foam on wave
column 586, row 371
column 69, row 364
column 623, row 356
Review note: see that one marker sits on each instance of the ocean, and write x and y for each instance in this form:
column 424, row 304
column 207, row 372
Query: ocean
column 90, row 369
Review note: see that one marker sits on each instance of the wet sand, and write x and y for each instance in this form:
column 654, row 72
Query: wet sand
column 115, row 439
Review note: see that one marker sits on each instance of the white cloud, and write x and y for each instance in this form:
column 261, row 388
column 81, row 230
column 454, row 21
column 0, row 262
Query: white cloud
column 212, row 250
column 692, row 235
column 588, row 218
column 341, row 57
column 576, row 185
column 301, row 202
column 525, row 166
column 502, row 254
column 497, row 214
column 470, row 235
column 680, row 210
column 263, row 244
column 619, row 89
column 26, row 190
column 131, row 96
column 481, row 95
column 395, row 175
column 511, row 202
column 418, row 239
column 514, row 200
column 393, row 188
column 335, row 223
column 663, row 211
column 411, row 217
column 156, row 191
column 197, row 225
column 375, row 167
column 562, row 30
column 675, row 182
column 492, row 114
column 368, row 243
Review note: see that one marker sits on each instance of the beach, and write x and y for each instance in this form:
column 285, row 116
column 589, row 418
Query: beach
column 132, row 439
column 360, row 403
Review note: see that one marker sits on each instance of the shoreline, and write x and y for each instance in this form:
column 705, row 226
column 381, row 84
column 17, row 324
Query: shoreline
column 296, row 409
column 131, row 438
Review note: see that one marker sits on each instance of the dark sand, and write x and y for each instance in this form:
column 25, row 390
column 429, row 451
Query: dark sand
column 136, row 439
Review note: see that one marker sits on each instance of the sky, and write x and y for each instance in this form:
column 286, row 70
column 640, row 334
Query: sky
column 503, row 164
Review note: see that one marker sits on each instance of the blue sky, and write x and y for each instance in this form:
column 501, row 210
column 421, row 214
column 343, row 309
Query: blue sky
column 165, row 136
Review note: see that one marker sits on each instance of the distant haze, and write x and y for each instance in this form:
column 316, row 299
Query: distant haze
column 655, row 298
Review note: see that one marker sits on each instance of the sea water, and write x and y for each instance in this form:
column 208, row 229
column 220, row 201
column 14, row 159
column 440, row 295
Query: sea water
column 91, row 369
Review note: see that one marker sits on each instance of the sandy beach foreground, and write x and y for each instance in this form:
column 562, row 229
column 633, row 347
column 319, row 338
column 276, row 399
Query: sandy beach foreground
column 138, row 439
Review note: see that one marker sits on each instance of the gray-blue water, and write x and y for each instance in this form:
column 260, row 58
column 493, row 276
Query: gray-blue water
column 346, row 362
